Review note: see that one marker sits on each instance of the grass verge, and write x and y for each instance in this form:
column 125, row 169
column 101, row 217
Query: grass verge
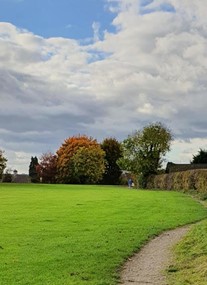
column 76, row 235
column 190, row 262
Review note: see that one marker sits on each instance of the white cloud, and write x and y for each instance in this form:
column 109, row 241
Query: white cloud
column 153, row 68
column 183, row 151
column 96, row 31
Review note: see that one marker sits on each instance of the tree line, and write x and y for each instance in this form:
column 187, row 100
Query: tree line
column 82, row 160
column 79, row 160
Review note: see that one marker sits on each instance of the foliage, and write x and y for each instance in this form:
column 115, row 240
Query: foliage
column 7, row 176
column 33, row 170
column 186, row 181
column 47, row 168
column 68, row 165
column 3, row 161
column 81, row 234
column 88, row 164
column 143, row 151
column 113, row 153
column 201, row 157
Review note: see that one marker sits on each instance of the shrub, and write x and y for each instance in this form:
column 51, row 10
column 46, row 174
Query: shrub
column 201, row 181
column 177, row 181
column 185, row 181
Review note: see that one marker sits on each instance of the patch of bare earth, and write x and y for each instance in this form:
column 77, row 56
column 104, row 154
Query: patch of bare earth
column 148, row 265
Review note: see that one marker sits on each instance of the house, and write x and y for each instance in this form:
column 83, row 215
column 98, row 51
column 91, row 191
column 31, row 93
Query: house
column 20, row 178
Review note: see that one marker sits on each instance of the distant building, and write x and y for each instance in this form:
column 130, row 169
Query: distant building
column 174, row 167
column 21, row 178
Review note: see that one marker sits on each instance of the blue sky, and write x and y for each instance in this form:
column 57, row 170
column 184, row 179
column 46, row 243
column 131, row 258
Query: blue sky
column 57, row 18
column 103, row 68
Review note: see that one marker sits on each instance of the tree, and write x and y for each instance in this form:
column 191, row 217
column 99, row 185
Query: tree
column 3, row 161
column 67, row 165
column 88, row 163
column 143, row 151
column 7, row 177
column 201, row 157
column 47, row 168
column 33, row 170
column 113, row 152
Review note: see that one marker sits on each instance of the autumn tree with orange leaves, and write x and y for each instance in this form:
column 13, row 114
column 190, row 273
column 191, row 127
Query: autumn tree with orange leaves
column 80, row 159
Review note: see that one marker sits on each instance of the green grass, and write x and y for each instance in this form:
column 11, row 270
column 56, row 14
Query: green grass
column 190, row 263
column 67, row 234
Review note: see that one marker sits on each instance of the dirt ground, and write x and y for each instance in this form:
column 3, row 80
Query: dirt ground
column 148, row 265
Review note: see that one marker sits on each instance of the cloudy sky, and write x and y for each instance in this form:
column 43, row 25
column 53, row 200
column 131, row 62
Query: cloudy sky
column 103, row 68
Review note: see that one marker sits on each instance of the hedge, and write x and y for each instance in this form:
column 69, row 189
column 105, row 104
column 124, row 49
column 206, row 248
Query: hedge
column 184, row 181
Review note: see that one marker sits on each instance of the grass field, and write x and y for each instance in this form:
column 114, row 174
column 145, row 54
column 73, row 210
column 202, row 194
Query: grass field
column 190, row 264
column 67, row 234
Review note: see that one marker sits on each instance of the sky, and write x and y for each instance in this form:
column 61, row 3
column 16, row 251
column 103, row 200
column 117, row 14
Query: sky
column 103, row 68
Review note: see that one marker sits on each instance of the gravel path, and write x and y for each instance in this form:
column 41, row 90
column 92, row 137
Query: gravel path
column 148, row 265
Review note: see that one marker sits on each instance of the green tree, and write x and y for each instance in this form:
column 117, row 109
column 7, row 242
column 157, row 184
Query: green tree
column 88, row 164
column 143, row 151
column 7, row 177
column 200, row 157
column 3, row 161
column 33, row 170
column 113, row 152
column 69, row 155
